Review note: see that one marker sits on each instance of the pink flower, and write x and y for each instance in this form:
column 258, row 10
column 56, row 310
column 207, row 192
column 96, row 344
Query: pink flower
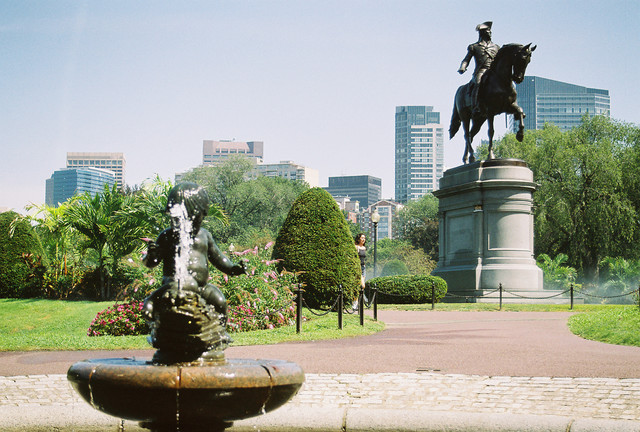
column 268, row 245
column 226, row 278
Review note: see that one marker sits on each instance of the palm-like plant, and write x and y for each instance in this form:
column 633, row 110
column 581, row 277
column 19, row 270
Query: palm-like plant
column 556, row 274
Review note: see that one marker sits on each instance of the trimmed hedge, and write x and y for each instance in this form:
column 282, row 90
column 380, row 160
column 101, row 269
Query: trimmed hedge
column 407, row 289
column 315, row 240
column 22, row 259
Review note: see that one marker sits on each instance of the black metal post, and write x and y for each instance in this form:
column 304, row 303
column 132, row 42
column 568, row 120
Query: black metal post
column 375, row 303
column 340, row 307
column 298, row 309
column 571, row 297
column 433, row 295
column 500, row 286
column 361, row 306
column 375, row 249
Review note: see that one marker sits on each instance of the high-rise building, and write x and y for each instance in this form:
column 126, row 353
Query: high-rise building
column 289, row 171
column 67, row 182
column 419, row 152
column 214, row 151
column 110, row 161
column 362, row 188
column 547, row 101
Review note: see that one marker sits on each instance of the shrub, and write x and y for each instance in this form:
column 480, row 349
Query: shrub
column 407, row 289
column 316, row 241
column 394, row 267
column 124, row 319
column 262, row 298
column 22, row 259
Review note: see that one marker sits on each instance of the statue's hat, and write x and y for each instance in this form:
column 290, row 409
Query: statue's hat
column 484, row 25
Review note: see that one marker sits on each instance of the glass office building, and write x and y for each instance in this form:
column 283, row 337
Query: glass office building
column 68, row 182
column 419, row 152
column 562, row 104
column 110, row 161
column 363, row 188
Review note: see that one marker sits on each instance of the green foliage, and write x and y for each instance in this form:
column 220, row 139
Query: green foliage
column 587, row 206
column 119, row 320
column 418, row 221
column 407, row 289
column 416, row 260
column 22, row 259
column 254, row 207
column 557, row 276
column 620, row 326
column 618, row 277
column 260, row 299
column 394, row 267
column 316, row 242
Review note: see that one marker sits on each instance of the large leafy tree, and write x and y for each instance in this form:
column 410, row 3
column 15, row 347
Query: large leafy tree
column 587, row 204
column 255, row 207
column 418, row 222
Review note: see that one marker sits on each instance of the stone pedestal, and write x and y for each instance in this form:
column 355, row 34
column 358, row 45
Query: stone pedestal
column 486, row 228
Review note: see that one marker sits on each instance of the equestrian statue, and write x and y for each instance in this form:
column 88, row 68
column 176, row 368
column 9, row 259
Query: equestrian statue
column 491, row 91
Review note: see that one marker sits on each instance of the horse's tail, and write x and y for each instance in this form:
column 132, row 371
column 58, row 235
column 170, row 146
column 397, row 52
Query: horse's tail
column 455, row 122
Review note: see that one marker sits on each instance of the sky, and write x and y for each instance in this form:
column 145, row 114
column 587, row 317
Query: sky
column 317, row 81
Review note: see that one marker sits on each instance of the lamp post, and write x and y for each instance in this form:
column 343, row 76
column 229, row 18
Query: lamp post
column 375, row 218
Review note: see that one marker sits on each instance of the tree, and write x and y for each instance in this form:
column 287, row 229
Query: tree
column 22, row 259
column 316, row 242
column 416, row 260
column 419, row 224
column 255, row 208
column 584, row 207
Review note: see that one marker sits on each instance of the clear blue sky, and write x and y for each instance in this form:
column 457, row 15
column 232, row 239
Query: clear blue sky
column 317, row 81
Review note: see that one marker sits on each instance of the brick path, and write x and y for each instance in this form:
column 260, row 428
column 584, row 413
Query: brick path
column 598, row 398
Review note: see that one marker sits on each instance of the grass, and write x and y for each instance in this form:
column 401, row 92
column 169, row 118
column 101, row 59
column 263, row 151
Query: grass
column 619, row 326
column 29, row 325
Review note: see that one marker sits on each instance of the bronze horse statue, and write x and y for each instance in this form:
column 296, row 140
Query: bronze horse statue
column 497, row 95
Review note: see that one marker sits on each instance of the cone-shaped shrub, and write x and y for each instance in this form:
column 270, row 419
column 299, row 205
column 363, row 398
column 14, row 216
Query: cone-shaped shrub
column 316, row 241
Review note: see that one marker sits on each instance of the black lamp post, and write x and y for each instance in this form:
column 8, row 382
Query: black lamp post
column 375, row 218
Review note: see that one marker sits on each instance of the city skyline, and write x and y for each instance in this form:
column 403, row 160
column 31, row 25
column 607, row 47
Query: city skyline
column 317, row 82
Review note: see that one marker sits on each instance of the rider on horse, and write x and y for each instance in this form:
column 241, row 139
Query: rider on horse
column 483, row 52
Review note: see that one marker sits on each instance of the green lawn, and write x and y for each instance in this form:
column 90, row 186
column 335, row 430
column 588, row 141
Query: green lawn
column 27, row 325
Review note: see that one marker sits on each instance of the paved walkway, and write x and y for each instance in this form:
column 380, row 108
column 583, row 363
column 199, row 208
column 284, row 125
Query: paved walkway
column 389, row 374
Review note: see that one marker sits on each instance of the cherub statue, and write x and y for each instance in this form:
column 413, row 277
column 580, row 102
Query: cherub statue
column 185, row 309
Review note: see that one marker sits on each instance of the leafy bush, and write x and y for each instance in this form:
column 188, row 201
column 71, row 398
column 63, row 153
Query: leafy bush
column 394, row 267
column 124, row 319
column 22, row 259
column 407, row 289
column 557, row 276
column 316, row 242
column 260, row 299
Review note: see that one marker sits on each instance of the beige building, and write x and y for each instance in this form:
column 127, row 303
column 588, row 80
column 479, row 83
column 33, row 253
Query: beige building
column 214, row 151
column 289, row 171
column 114, row 162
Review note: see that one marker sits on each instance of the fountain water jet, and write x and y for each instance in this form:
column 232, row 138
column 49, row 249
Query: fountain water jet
column 189, row 384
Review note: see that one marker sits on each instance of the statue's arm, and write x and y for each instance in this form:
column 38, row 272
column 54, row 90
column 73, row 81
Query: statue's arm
column 221, row 261
column 154, row 251
column 466, row 60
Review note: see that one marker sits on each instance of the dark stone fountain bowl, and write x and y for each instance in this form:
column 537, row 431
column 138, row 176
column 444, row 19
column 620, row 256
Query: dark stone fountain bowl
column 189, row 397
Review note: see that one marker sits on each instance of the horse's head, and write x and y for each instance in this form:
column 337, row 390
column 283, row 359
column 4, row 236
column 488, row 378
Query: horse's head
column 521, row 59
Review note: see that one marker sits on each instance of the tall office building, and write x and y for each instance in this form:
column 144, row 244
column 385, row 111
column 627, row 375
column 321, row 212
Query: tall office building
column 363, row 188
column 419, row 152
column 288, row 170
column 67, row 182
column 214, row 151
column 563, row 104
column 110, row 161
column 388, row 211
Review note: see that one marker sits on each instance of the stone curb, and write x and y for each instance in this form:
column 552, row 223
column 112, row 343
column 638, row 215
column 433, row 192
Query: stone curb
column 83, row 418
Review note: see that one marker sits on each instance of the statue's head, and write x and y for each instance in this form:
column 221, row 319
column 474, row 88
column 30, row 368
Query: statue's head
column 194, row 197
column 484, row 30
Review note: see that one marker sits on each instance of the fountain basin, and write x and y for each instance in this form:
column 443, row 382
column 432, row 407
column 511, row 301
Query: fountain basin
column 199, row 396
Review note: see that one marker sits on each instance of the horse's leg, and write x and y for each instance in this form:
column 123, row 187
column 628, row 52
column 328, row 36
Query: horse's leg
column 519, row 114
column 468, row 148
column 491, row 131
